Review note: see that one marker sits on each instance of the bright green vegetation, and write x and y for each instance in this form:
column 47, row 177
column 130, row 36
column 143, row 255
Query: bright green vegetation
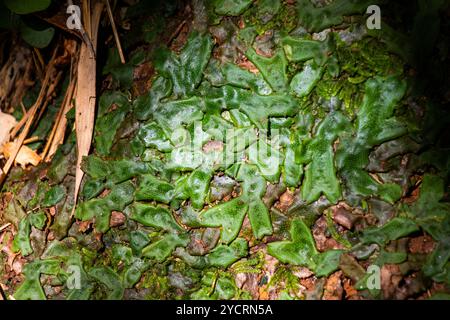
column 312, row 119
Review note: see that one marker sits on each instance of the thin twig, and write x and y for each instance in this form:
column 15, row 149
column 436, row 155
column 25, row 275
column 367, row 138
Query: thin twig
column 55, row 126
column 5, row 226
column 51, row 89
column 36, row 64
column 176, row 32
column 116, row 34
column 60, row 123
column 20, row 124
column 24, row 110
column 39, row 56
column 29, row 122
column 31, row 140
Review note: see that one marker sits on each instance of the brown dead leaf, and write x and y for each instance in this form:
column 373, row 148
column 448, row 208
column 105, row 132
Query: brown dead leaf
column 344, row 217
column 57, row 135
column 286, row 200
column 241, row 23
column 179, row 37
column 422, row 244
column 98, row 236
column 85, row 94
column 333, row 287
column 51, row 236
column 350, row 267
column 117, row 219
column 319, row 230
column 58, row 17
column 413, row 197
column 263, row 294
column 43, row 94
column 7, row 123
column 264, row 45
column 301, row 272
column 410, row 286
column 70, row 48
column 248, row 65
column 251, row 284
column 25, row 156
column 350, row 291
column 142, row 77
column 321, row 236
column 6, row 243
column 332, row 244
column 390, row 279
column 314, row 287
column 308, row 283
column 104, row 193
column 435, row 288
column 83, row 226
column 246, row 230
column 16, row 75
column 52, row 211
column 264, row 53
column 17, row 265
column 376, row 177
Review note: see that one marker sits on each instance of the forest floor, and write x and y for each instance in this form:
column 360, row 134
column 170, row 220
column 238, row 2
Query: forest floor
column 244, row 150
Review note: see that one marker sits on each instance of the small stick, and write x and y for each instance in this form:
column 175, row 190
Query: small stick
column 176, row 32
column 50, row 91
column 5, row 226
column 24, row 110
column 20, row 124
column 31, row 114
column 87, row 17
column 39, row 56
column 61, row 114
column 55, row 126
column 116, row 34
column 36, row 64
column 30, row 140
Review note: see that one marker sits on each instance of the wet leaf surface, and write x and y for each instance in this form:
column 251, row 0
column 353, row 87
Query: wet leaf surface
column 258, row 150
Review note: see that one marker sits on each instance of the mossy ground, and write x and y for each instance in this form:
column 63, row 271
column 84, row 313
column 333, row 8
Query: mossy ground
column 354, row 174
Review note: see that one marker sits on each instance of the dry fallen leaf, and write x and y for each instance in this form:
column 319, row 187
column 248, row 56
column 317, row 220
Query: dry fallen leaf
column 263, row 294
column 85, row 95
column 248, row 65
column 344, row 217
column 350, row 292
column 117, row 219
column 6, row 243
column 59, row 128
column 24, row 157
column 390, row 280
column 421, row 244
column 8, row 122
column 286, row 200
column 333, row 287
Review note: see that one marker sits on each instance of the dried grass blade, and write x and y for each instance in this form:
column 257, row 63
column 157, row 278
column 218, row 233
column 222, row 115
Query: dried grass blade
column 85, row 95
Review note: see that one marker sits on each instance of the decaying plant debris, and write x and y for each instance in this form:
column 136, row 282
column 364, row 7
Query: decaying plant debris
column 142, row 172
